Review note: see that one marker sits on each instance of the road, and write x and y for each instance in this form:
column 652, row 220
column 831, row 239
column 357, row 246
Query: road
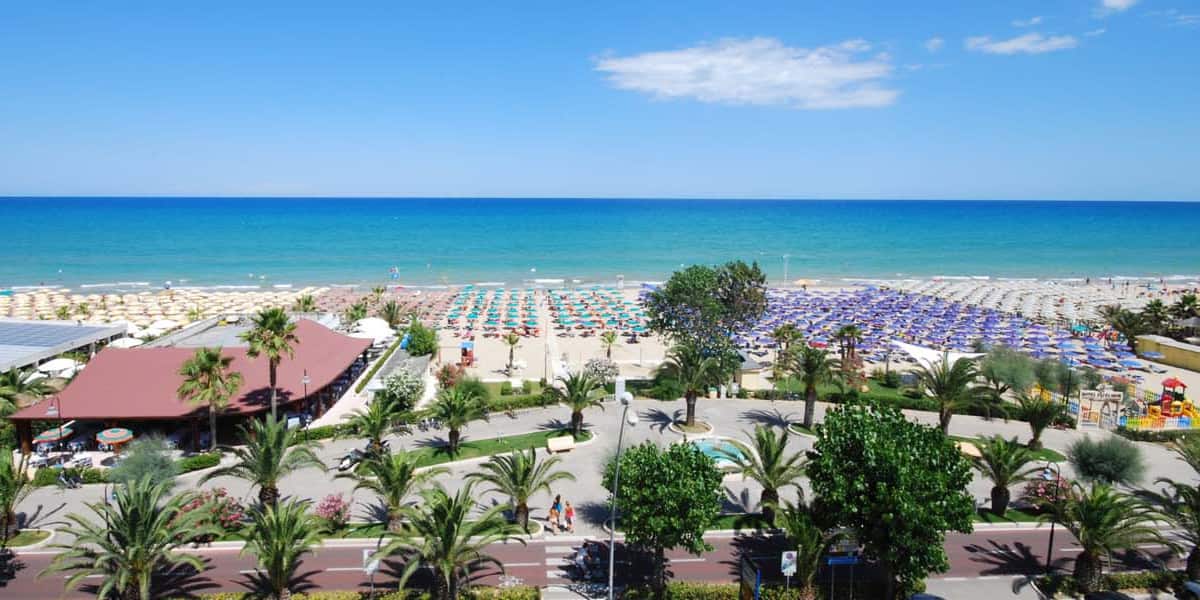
column 986, row 553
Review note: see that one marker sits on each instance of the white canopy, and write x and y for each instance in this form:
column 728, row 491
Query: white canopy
column 371, row 323
column 930, row 357
column 126, row 342
column 56, row 365
column 164, row 324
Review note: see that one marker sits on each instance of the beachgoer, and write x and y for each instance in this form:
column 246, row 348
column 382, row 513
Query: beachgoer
column 552, row 519
column 570, row 515
column 557, row 507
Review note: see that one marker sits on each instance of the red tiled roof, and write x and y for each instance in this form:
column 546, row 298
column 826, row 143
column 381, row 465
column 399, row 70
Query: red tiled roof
column 141, row 383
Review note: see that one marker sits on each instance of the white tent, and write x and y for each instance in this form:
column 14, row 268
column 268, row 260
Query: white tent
column 164, row 324
column 929, row 357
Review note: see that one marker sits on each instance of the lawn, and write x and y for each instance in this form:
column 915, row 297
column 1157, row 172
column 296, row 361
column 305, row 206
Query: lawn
column 474, row 448
column 1011, row 515
column 28, row 537
column 1044, row 454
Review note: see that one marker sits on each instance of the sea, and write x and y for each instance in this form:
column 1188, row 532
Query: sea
column 263, row 243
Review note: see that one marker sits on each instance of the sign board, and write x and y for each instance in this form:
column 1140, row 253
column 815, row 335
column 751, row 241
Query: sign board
column 841, row 560
column 787, row 563
column 369, row 566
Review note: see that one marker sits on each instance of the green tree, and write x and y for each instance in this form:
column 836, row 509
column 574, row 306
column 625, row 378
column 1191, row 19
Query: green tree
column 279, row 536
column 848, row 337
column 391, row 312
column 356, row 311
column 1129, row 324
column 16, row 388
column 1187, row 306
column 952, row 385
column 1040, row 413
column 1004, row 463
column 375, row 420
column 208, row 382
column 609, row 339
column 441, row 534
column 270, row 452
column 1007, row 369
column 394, row 478
column 15, row 486
column 145, row 458
column 511, row 340
column 667, row 499
column 810, row 540
column 422, row 340
column 305, row 303
column 1111, row 460
column 769, row 464
column 404, row 388
column 578, row 391
column 1157, row 316
column 1103, row 520
column 784, row 336
column 273, row 335
column 704, row 306
column 1179, row 504
column 813, row 367
column 898, row 486
column 131, row 540
column 455, row 407
column 520, row 476
column 693, row 371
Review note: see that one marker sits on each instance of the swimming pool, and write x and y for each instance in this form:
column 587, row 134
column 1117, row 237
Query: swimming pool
column 719, row 450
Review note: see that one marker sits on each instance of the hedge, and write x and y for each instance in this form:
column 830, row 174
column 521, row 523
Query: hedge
column 683, row 590
column 49, row 476
column 362, row 383
column 199, row 461
column 1152, row 435
column 506, row 403
column 1113, row 582
column 520, row 592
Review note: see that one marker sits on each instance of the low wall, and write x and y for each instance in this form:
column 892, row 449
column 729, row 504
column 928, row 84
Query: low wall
column 1175, row 353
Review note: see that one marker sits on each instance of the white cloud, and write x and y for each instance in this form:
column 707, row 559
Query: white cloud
column 934, row 44
column 1030, row 22
column 1176, row 18
column 1095, row 32
column 1117, row 5
column 759, row 71
column 1030, row 43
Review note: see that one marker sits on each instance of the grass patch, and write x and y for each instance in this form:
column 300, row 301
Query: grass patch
column 1042, row 454
column 798, row 428
column 27, row 537
column 1012, row 515
column 476, row 448
column 738, row 522
column 530, row 388
column 378, row 365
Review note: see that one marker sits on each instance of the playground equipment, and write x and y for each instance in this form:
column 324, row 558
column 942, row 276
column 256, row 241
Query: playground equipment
column 1170, row 409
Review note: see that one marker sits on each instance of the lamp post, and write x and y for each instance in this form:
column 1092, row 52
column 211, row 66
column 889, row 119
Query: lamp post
column 1051, row 472
column 307, row 403
column 52, row 411
column 631, row 418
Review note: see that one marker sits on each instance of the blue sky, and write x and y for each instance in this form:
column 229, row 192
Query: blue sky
column 1087, row 99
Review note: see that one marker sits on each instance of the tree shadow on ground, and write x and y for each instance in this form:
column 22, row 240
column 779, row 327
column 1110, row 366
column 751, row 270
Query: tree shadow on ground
column 769, row 418
column 1017, row 558
column 742, row 502
column 658, row 418
column 557, row 424
column 181, row 582
column 10, row 565
column 392, row 569
column 39, row 518
column 260, row 587
column 595, row 513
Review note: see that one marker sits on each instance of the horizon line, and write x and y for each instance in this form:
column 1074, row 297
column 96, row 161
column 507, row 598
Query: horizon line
column 575, row 198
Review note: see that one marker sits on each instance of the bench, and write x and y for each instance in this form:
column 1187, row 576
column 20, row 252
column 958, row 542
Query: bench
column 562, row 443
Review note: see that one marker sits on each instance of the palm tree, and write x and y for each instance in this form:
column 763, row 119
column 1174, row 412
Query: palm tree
column 63, row 313
column 271, row 452
column 1188, row 305
column 131, row 540
column 809, row 540
column 1040, row 413
column 687, row 365
column 520, row 476
column 15, row 486
column 442, row 535
column 195, row 313
column 392, row 477
column 1004, row 463
column 272, row 335
column 1103, row 520
column 356, row 311
column 392, row 313
column 377, row 292
column 1179, row 504
column 768, row 464
column 278, row 536
column 208, row 382
column 784, row 335
column 305, row 304
column 812, row 366
column 16, row 386
column 578, row 392
column 609, row 339
column 511, row 340
column 848, row 337
column 455, row 407
column 952, row 386
column 375, row 420
column 1129, row 324
column 1157, row 315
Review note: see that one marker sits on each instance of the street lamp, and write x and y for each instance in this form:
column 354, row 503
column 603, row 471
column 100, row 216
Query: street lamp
column 1051, row 472
column 631, row 418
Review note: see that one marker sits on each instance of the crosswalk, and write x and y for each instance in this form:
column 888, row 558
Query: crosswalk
column 559, row 557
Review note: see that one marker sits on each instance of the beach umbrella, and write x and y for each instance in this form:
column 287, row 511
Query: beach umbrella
column 1132, row 364
column 115, row 435
column 1152, row 354
column 58, row 364
column 54, row 435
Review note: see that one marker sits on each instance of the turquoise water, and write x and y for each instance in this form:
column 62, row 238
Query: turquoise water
column 265, row 242
column 714, row 448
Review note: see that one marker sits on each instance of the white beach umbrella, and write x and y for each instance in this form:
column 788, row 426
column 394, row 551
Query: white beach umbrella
column 126, row 342
column 56, row 365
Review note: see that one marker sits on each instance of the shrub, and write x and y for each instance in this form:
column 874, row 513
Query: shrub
column 601, row 369
column 334, row 511
column 473, row 385
column 1053, row 585
column 220, row 509
column 145, row 457
column 199, row 461
column 1155, row 435
column 404, row 388
column 506, row 388
column 1111, row 459
column 422, row 340
column 449, row 375
column 93, row 475
column 47, row 476
column 382, row 360
column 507, row 403
column 1039, row 491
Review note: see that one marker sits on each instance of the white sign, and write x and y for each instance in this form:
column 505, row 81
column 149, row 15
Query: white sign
column 369, row 566
column 787, row 563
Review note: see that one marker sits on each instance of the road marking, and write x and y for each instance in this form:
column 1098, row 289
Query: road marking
column 335, row 569
column 955, row 578
column 556, row 574
column 248, row 571
column 687, row 560
column 559, row 549
column 558, row 562
column 525, row 564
